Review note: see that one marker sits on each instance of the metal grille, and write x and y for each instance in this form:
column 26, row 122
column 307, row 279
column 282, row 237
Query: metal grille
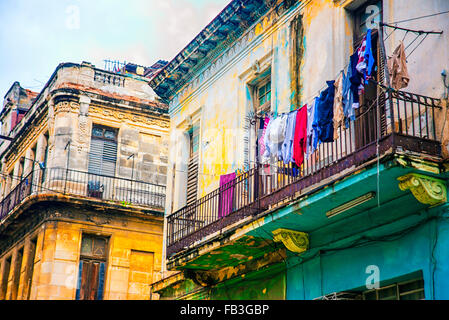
column 263, row 186
column 84, row 184
column 409, row 290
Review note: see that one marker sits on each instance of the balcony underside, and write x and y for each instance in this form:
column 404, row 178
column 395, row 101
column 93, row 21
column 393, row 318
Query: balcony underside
column 394, row 123
column 252, row 237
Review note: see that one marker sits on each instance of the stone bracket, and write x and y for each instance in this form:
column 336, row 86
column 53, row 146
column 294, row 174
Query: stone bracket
column 294, row 241
column 426, row 189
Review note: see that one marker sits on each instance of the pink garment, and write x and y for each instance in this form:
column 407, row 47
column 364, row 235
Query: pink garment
column 300, row 138
column 226, row 196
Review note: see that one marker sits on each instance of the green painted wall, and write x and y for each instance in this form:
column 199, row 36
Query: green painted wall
column 267, row 284
column 418, row 244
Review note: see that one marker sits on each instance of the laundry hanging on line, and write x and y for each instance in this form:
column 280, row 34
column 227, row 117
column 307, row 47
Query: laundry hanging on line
column 318, row 122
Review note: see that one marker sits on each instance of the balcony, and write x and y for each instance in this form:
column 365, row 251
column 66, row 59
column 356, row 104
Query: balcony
column 85, row 185
column 395, row 121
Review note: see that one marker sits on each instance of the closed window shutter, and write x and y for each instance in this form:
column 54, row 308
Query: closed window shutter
column 380, row 93
column 247, row 141
column 102, row 157
column 109, row 158
column 95, row 156
column 78, row 284
column 192, row 175
column 101, row 281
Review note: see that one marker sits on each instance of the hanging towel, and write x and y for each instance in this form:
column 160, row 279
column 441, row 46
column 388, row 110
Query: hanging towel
column 325, row 113
column 266, row 155
column 365, row 60
column 275, row 136
column 300, row 138
column 369, row 58
column 347, row 97
column 287, row 146
column 310, row 131
column 356, row 81
column 338, row 105
column 397, row 68
column 225, row 199
column 261, row 141
column 314, row 137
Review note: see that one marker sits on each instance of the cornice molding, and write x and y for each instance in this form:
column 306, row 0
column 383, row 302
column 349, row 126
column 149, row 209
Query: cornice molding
column 294, row 241
column 426, row 189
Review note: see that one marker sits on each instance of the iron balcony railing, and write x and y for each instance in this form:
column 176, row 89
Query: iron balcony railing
column 83, row 184
column 393, row 119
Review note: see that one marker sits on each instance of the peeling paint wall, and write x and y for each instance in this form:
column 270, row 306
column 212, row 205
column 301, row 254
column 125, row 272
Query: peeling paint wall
column 75, row 101
column 220, row 98
column 301, row 49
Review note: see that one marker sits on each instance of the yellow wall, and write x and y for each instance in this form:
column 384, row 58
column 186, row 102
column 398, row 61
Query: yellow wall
column 133, row 263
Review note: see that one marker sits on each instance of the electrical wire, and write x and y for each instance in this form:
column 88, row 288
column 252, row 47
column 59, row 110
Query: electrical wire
column 421, row 17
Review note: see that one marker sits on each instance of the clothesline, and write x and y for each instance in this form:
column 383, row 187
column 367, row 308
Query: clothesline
column 292, row 136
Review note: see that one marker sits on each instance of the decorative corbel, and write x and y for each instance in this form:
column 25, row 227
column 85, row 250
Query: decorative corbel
column 427, row 190
column 295, row 241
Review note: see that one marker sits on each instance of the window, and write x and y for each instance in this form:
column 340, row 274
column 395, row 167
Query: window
column 5, row 278
column 21, row 168
column 103, row 151
column 16, row 276
column 92, row 267
column 409, row 290
column 263, row 95
column 43, row 164
column 192, row 175
column 367, row 17
column 28, row 278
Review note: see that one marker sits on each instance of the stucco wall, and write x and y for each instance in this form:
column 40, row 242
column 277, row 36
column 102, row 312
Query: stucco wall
column 134, row 255
column 219, row 97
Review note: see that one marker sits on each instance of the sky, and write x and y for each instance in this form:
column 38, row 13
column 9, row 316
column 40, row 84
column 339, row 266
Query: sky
column 35, row 36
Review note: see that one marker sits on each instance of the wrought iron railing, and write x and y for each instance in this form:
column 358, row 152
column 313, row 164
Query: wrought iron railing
column 83, row 184
column 393, row 119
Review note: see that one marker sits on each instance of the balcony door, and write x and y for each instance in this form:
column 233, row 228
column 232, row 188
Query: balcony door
column 102, row 160
column 366, row 125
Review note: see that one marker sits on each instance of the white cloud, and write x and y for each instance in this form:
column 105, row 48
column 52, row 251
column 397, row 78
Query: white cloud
column 177, row 22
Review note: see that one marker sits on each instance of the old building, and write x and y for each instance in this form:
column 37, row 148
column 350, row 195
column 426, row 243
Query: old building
column 361, row 211
column 83, row 186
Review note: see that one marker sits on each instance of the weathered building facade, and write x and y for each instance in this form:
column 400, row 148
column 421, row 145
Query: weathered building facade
column 83, row 187
column 364, row 216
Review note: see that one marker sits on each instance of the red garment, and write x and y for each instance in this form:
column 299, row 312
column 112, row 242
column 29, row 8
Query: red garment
column 300, row 137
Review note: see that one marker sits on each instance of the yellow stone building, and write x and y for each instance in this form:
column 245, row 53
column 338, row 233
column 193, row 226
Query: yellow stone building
column 83, row 175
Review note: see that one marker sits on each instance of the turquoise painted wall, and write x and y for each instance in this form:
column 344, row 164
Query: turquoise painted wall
column 413, row 251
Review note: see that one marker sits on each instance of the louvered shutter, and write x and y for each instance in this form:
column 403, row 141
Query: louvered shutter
column 246, row 142
column 192, row 175
column 381, row 77
column 95, row 156
column 102, row 157
column 109, row 158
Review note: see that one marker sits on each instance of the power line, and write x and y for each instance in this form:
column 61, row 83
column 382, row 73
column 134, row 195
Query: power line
column 422, row 17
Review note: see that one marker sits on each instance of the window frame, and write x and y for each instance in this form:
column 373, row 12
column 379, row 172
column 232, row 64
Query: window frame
column 396, row 285
column 266, row 106
column 356, row 15
column 86, row 259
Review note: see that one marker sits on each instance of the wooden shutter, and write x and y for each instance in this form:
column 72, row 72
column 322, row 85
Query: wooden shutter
column 381, row 78
column 102, row 157
column 95, row 156
column 91, row 280
column 246, row 141
column 192, row 175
